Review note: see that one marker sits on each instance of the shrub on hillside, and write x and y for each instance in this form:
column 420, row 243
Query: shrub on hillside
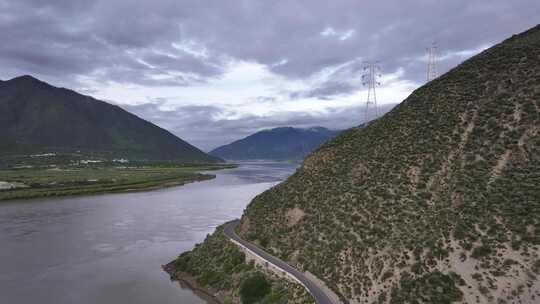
column 254, row 289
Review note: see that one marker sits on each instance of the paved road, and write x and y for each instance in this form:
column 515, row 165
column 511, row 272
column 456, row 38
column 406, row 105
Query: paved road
column 317, row 293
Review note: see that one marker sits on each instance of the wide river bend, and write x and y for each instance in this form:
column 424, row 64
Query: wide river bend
column 110, row 248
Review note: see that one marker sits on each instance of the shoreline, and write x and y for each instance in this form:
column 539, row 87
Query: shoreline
column 200, row 175
column 165, row 185
column 189, row 282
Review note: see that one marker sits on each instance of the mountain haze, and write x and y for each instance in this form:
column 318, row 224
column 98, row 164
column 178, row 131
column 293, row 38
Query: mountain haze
column 285, row 143
column 37, row 117
column 436, row 202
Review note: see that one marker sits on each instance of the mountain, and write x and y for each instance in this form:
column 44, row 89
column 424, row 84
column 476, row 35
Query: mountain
column 285, row 143
column 37, row 118
column 438, row 201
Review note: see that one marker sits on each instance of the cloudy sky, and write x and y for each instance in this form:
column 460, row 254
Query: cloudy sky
column 215, row 71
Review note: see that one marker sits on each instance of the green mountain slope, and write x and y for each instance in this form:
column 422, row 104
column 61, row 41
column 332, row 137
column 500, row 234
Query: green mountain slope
column 436, row 202
column 38, row 118
column 285, row 143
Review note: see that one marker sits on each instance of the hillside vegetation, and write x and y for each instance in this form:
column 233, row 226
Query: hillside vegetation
column 38, row 118
column 220, row 268
column 436, row 202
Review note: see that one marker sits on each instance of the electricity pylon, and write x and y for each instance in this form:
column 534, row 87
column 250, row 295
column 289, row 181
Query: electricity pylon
column 372, row 72
column 432, row 62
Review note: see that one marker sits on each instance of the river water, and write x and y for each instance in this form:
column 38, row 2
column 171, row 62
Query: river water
column 110, row 248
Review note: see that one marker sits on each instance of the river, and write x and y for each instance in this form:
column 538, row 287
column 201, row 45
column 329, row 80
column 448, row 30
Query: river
column 110, row 248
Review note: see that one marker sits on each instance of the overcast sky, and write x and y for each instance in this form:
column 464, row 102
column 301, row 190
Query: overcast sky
column 215, row 71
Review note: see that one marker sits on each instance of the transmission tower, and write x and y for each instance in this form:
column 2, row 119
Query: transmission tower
column 372, row 72
column 432, row 62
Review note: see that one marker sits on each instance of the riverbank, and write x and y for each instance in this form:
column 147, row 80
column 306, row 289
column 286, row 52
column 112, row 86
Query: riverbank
column 218, row 268
column 41, row 182
column 188, row 281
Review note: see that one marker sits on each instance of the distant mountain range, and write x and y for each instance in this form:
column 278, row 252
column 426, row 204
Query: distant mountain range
column 284, row 143
column 39, row 118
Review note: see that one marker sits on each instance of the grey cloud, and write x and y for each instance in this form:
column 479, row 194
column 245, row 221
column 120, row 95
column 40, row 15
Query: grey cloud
column 69, row 37
column 345, row 79
column 204, row 127
column 101, row 39
column 326, row 90
column 265, row 99
column 183, row 62
column 384, row 30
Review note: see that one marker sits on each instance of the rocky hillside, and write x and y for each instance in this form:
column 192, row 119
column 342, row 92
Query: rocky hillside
column 38, row 118
column 285, row 143
column 436, row 202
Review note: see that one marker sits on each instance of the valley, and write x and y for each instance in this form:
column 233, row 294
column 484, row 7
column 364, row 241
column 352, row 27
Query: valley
column 270, row 152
